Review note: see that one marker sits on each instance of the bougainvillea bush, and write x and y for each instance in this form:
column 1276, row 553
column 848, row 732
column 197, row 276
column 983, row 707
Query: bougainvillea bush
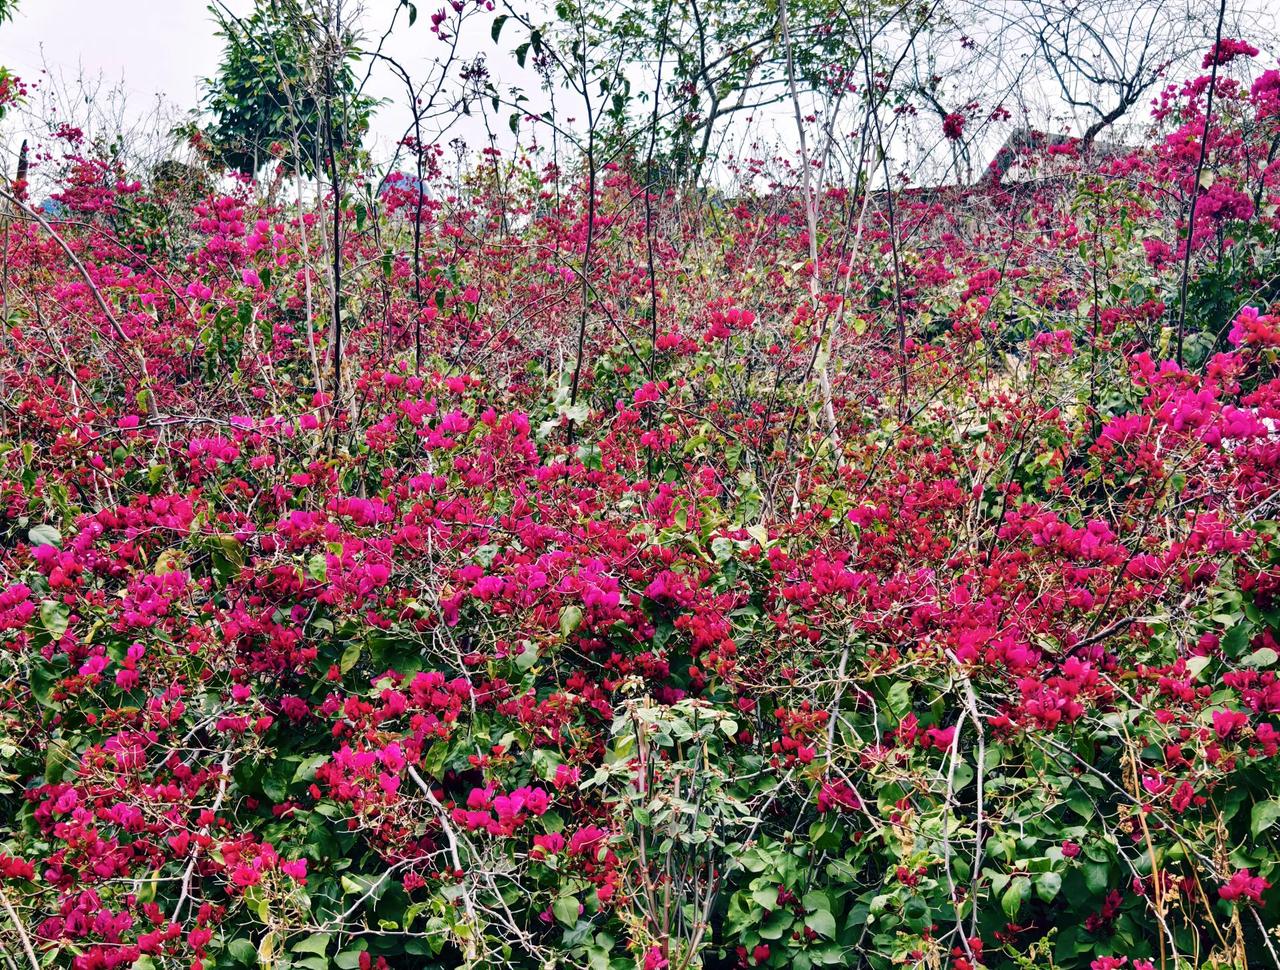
column 641, row 590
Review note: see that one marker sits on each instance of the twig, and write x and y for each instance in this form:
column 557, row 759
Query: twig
column 21, row 930
column 469, row 945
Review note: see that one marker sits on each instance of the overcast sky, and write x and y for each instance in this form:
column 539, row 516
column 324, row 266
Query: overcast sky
column 154, row 46
column 162, row 48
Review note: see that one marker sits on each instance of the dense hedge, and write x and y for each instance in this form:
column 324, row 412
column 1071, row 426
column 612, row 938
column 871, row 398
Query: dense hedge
column 667, row 659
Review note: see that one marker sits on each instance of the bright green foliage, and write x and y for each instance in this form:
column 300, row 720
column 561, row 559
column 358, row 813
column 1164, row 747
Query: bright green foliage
column 278, row 93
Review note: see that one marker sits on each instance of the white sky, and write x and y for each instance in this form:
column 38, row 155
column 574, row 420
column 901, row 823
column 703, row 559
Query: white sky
column 154, row 46
column 160, row 49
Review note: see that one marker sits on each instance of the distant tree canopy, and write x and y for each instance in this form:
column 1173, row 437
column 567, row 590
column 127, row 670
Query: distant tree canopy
column 279, row 84
column 172, row 178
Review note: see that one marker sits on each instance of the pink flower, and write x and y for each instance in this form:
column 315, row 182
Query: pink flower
column 1070, row 849
column 1158, row 252
column 545, row 845
column 245, row 876
column 1222, row 201
column 587, row 841
column 648, row 393
column 566, row 777
column 1244, row 886
column 1227, row 50
column 389, row 783
column 837, row 795
column 295, row 869
column 940, row 738
column 1226, row 723
column 1182, row 797
column 1254, row 328
column 94, row 666
column 1266, row 92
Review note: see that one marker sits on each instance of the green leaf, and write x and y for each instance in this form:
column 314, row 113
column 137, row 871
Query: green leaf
column 566, row 910
column 1097, row 877
column 917, row 913
column 45, row 535
column 43, row 682
column 821, row 922
column 306, row 771
column 498, row 23
column 778, row 923
column 57, row 754
column 318, row 567
column 434, row 761
column 1237, row 638
column 1048, row 885
column 766, row 897
column 899, row 698
column 1264, row 816
column 526, row 658
column 1196, row 665
column 267, row 951
column 55, row 616
column 315, row 943
column 817, row 900
column 243, row 951
column 570, row 619
column 350, row 657
column 1262, row 657
column 1014, row 894
column 359, row 885
column 1080, row 803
